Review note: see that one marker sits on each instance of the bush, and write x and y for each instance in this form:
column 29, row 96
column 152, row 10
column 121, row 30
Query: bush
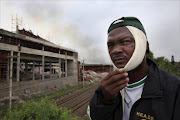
column 42, row 110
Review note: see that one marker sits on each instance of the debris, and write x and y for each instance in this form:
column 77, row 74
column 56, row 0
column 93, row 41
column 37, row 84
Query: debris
column 92, row 76
column 15, row 99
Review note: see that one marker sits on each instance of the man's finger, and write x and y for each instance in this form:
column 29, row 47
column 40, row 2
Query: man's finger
column 118, row 71
column 119, row 83
column 116, row 78
column 117, row 89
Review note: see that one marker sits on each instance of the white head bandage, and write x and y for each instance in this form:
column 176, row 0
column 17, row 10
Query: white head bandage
column 139, row 51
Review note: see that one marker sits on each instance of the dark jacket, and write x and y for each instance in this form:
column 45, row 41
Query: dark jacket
column 160, row 99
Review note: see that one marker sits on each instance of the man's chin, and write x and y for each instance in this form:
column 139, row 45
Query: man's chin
column 120, row 66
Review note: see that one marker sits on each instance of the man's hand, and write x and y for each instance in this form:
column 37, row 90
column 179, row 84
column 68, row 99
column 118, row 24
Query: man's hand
column 113, row 83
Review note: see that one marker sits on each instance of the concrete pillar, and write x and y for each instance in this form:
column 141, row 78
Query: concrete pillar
column 43, row 67
column 63, row 67
column 8, row 65
column 66, row 64
column 43, row 64
column 66, row 68
column 51, row 72
column 60, row 67
column 18, row 67
column 70, row 67
column 39, row 68
column 83, row 73
column 74, row 70
column 33, row 77
column 10, row 81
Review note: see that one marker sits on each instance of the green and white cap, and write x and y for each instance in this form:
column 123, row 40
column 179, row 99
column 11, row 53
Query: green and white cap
column 139, row 34
column 127, row 21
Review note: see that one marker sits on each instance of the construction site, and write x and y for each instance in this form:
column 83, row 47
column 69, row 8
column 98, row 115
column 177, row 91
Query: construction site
column 31, row 65
column 34, row 64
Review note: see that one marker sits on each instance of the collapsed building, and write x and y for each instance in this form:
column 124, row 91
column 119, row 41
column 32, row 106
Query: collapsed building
column 34, row 64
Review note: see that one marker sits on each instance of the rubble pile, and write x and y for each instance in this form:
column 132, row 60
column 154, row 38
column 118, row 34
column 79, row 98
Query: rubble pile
column 93, row 76
column 15, row 99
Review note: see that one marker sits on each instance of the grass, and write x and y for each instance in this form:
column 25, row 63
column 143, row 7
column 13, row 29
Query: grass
column 60, row 92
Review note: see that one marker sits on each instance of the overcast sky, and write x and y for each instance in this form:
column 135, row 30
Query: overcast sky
column 82, row 25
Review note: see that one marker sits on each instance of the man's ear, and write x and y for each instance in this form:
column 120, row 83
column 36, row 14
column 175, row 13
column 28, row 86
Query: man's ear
column 147, row 47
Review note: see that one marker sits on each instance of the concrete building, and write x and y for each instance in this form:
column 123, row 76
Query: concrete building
column 99, row 68
column 34, row 64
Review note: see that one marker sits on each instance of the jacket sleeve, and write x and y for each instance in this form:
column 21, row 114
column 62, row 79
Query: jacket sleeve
column 102, row 110
column 176, row 114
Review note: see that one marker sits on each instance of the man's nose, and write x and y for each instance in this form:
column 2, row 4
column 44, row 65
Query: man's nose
column 117, row 49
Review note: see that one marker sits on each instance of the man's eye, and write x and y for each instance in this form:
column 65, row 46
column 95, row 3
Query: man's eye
column 109, row 45
column 127, row 42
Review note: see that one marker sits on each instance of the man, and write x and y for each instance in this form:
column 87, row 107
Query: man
column 138, row 89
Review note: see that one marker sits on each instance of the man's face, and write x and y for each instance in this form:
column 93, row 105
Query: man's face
column 121, row 45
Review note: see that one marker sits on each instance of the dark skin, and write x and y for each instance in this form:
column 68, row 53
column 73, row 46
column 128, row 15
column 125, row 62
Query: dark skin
column 121, row 45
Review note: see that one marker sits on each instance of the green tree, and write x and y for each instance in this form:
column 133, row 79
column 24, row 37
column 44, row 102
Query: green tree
column 172, row 59
column 150, row 55
column 165, row 64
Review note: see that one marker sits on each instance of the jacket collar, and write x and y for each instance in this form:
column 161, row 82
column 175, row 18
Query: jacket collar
column 152, row 87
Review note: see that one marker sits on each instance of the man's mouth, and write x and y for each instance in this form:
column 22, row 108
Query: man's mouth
column 119, row 59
